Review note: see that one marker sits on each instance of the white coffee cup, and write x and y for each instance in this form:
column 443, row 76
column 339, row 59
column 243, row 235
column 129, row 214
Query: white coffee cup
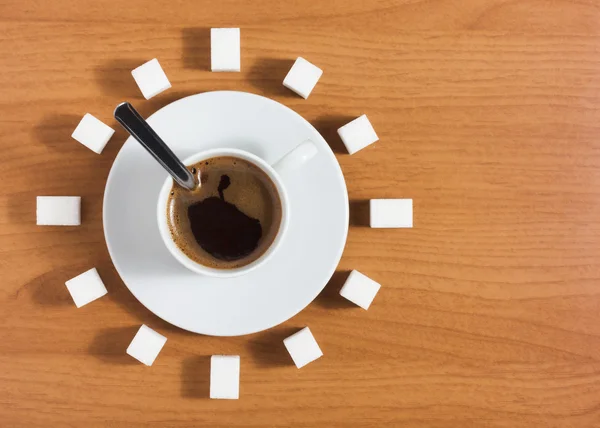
column 292, row 160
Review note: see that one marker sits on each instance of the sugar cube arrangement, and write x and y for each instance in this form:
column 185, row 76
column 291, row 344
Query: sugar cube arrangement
column 391, row 213
column 357, row 134
column 93, row 133
column 303, row 347
column 151, row 79
column 225, row 377
column 225, row 49
column 58, row 210
column 360, row 289
column 86, row 288
column 146, row 345
column 302, row 77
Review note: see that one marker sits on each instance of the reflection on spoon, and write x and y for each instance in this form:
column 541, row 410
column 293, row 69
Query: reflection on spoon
column 139, row 129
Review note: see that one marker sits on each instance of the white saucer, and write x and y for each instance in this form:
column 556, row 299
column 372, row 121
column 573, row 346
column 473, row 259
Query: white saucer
column 272, row 293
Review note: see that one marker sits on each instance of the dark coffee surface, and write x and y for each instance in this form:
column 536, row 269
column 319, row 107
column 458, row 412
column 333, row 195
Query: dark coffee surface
column 231, row 220
column 221, row 229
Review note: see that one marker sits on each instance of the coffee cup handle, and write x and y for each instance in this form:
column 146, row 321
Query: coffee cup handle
column 296, row 157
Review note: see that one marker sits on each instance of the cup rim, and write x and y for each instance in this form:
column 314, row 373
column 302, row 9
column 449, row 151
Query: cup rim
column 200, row 268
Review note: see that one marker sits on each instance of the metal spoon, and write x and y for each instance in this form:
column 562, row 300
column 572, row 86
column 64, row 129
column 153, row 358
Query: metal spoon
column 139, row 129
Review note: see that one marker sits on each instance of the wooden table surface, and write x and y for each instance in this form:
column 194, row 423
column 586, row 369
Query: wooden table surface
column 489, row 311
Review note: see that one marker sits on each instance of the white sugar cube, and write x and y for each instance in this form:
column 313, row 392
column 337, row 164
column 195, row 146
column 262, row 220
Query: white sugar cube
column 391, row 213
column 358, row 134
column 58, row 211
column 93, row 133
column 86, row 288
column 225, row 377
column 146, row 345
column 360, row 289
column 303, row 347
column 151, row 79
column 302, row 77
column 225, row 49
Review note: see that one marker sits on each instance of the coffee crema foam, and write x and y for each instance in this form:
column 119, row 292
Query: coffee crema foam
column 231, row 219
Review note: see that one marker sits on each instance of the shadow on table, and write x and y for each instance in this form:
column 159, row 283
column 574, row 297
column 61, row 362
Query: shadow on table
column 54, row 131
column 328, row 126
column 267, row 74
column 49, row 288
column 267, row 348
column 360, row 213
column 195, row 377
column 330, row 296
column 114, row 78
column 196, row 48
column 110, row 345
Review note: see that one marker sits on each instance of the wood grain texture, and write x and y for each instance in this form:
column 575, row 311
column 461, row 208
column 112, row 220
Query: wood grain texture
column 487, row 112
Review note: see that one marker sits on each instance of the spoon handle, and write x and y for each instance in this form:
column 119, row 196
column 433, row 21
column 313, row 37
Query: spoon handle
column 139, row 129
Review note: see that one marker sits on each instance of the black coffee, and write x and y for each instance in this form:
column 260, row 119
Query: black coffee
column 231, row 219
